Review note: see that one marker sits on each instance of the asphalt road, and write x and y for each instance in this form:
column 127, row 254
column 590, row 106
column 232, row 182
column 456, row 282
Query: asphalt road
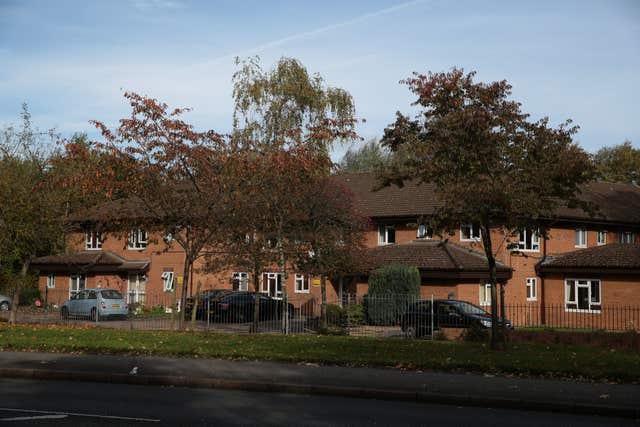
column 56, row 403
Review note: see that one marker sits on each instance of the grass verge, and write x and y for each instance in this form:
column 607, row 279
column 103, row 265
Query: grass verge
column 522, row 359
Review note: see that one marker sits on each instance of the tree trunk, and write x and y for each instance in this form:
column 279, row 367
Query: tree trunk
column 323, row 307
column 185, row 283
column 285, row 295
column 16, row 294
column 503, row 316
column 194, row 311
column 488, row 250
column 256, row 298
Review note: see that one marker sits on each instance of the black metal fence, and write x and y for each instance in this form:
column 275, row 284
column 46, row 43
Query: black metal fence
column 388, row 316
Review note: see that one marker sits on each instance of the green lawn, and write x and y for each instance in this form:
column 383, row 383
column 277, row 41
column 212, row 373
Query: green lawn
column 526, row 359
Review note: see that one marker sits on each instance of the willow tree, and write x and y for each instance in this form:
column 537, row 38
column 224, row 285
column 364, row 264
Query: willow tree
column 492, row 166
column 286, row 109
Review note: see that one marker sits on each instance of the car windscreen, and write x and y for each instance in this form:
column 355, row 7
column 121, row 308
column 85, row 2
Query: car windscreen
column 467, row 308
column 111, row 294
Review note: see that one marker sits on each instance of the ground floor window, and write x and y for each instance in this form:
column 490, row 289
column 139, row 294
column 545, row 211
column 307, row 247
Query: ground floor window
column 485, row 294
column 51, row 281
column 532, row 289
column 167, row 281
column 272, row 284
column 240, row 281
column 582, row 295
column 77, row 283
column 302, row 284
column 136, row 288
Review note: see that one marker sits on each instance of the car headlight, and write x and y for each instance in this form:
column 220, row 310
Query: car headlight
column 486, row 323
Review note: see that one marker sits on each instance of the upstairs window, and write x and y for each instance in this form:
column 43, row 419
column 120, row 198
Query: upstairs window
column 529, row 240
column 469, row 232
column 532, row 289
column 240, row 281
column 93, row 240
column 301, row 284
column 627, row 237
column 602, row 238
column 138, row 239
column 386, row 235
column 167, row 281
column 424, row 232
column 581, row 238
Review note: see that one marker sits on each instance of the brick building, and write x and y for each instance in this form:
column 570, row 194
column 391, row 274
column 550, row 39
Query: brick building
column 144, row 266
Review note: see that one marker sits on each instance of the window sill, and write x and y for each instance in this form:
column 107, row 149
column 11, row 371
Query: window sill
column 301, row 292
column 485, row 304
column 575, row 310
column 580, row 247
column 532, row 299
column 92, row 249
column 471, row 240
column 136, row 249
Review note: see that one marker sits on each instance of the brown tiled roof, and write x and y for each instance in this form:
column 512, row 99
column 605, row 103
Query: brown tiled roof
column 85, row 261
column 616, row 256
column 617, row 202
column 431, row 256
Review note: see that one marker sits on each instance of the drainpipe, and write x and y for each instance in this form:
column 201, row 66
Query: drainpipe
column 543, row 313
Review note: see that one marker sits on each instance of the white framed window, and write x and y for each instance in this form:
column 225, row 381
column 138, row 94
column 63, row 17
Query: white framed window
column 301, row 284
column 424, row 232
column 138, row 239
column 51, row 281
column 602, row 238
column 485, row 294
column 93, row 240
column 532, row 289
column 386, row 234
column 77, row 283
column 627, row 237
column 167, row 281
column 469, row 232
column 272, row 284
column 581, row 238
column 528, row 240
column 240, row 281
column 136, row 288
column 582, row 295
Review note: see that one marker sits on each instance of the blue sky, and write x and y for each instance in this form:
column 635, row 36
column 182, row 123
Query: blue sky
column 72, row 60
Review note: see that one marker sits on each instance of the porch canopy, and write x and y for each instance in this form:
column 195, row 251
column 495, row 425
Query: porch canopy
column 90, row 262
column 435, row 259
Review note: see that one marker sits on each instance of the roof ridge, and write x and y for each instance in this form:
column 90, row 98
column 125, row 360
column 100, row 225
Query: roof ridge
column 453, row 260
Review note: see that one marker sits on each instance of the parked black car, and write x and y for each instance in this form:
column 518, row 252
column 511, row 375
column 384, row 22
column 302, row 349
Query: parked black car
column 417, row 321
column 206, row 302
column 239, row 307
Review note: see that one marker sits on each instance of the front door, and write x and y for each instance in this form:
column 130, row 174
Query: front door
column 137, row 288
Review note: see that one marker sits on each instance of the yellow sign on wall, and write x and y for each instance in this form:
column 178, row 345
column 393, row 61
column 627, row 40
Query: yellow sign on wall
column 315, row 282
column 179, row 280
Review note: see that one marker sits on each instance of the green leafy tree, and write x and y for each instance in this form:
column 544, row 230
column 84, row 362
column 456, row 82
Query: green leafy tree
column 31, row 208
column 491, row 166
column 620, row 163
column 371, row 157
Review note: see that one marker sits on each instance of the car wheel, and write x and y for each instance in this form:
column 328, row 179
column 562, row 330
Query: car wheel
column 411, row 332
column 64, row 313
column 4, row 306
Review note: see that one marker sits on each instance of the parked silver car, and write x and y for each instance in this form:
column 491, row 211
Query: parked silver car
column 5, row 303
column 95, row 304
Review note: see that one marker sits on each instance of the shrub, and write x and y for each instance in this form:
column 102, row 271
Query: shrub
column 391, row 289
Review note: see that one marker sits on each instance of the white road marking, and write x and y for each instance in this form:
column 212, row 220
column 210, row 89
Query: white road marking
column 38, row 417
column 80, row 414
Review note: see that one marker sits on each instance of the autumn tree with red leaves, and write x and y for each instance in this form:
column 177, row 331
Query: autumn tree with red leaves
column 492, row 166
column 172, row 179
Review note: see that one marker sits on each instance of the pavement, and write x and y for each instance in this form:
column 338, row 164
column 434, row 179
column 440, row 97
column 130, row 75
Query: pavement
column 594, row 398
